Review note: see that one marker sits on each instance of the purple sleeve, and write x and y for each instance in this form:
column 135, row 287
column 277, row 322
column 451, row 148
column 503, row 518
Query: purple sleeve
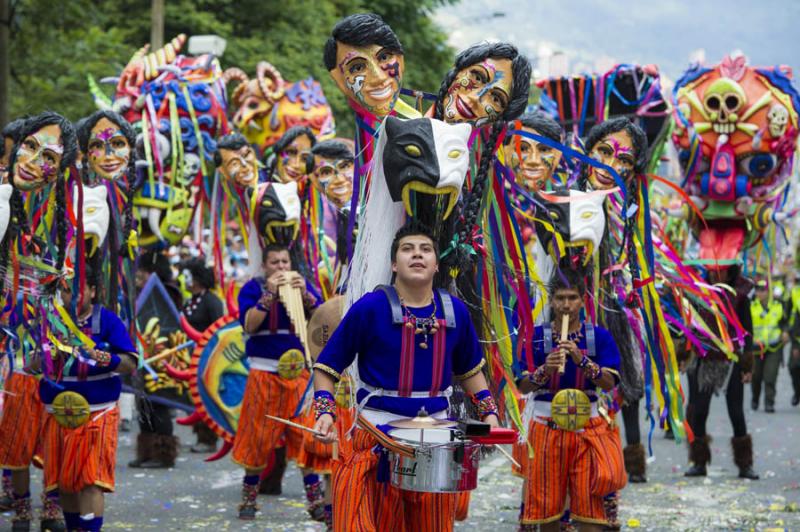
column 248, row 297
column 115, row 334
column 468, row 354
column 607, row 350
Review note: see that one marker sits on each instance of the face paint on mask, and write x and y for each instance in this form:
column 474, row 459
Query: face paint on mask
column 108, row 150
column 38, row 159
column 480, row 93
column 291, row 165
column 240, row 166
column 616, row 151
column 369, row 75
column 533, row 163
column 334, row 178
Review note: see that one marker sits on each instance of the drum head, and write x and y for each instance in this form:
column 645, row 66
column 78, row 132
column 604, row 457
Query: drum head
column 322, row 324
column 417, row 435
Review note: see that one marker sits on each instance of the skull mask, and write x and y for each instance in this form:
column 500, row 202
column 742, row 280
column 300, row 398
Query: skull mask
column 778, row 118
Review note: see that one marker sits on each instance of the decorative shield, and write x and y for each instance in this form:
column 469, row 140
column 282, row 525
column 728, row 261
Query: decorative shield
column 70, row 409
column 571, row 409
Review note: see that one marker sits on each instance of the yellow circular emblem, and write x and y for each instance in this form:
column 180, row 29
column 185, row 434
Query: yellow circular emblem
column 342, row 392
column 571, row 409
column 70, row 409
column 291, row 364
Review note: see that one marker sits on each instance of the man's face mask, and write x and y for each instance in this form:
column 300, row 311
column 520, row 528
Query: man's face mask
column 370, row 75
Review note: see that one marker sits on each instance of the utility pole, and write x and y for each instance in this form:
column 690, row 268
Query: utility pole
column 156, row 24
column 5, row 64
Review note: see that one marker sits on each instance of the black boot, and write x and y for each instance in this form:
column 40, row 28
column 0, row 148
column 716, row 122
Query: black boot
column 271, row 484
column 635, row 463
column 743, row 456
column 700, row 456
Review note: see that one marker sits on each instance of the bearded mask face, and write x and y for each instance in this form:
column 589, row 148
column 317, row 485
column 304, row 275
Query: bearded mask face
column 108, row 151
column 5, row 209
column 239, row 166
column 371, row 76
column 277, row 212
column 480, row 93
column 38, row 159
column 425, row 156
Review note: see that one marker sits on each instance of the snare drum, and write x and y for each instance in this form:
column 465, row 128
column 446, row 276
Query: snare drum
column 442, row 463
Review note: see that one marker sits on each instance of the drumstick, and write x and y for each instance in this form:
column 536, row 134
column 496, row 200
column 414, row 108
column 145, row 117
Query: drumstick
column 335, row 450
column 169, row 352
column 564, row 335
column 505, row 453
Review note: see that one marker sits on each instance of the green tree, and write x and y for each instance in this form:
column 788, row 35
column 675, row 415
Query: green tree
column 53, row 49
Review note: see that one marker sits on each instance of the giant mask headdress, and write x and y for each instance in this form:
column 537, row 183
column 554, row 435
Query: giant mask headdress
column 365, row 59
column 489, row 82
column 267, row 106
column 736, row 133
column 422, row 166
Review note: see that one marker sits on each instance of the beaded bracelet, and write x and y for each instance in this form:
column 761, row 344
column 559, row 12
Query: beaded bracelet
column 102, row 358
column 592, row 370
column 265, row 301
column 540, row 376
column 324, row 403
column 485, row 404
column 308, row 300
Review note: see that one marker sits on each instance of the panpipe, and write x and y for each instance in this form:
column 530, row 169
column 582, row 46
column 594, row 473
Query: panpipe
column 292, row 299
column 564, row 336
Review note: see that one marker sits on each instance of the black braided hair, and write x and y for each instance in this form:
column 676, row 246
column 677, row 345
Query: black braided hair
column 12, row 131
column 291, row 134
column 70, row 146
column 17, row 225
column 84, row 127
column 520, row 75
column 360, row 29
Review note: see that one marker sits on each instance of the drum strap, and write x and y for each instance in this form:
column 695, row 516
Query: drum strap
column 408, row 345
column 96, row 320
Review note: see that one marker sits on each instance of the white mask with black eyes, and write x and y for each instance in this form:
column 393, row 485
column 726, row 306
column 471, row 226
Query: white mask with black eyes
column 5, row 209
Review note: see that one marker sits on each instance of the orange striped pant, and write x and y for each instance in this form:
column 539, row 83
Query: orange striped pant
column 361, row 504
column 319, row 456
column 21, row 426
column 256, row 437
column 75, row 459
column 586, row 465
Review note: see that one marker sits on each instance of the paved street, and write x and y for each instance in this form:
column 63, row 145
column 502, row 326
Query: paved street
column 199, row 496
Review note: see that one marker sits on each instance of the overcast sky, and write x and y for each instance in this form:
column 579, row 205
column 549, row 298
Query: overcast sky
column 664, row 32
